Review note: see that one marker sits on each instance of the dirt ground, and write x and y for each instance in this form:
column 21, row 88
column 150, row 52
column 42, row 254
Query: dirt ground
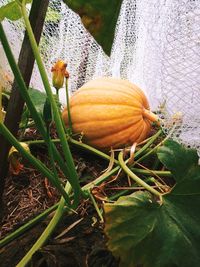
column 28, row 194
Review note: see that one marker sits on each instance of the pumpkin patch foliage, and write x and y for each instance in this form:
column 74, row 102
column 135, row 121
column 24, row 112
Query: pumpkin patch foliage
column 79, row 163
column 160, row 232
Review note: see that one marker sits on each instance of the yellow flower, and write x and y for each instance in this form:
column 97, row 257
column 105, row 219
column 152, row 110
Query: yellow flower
column 59, row 73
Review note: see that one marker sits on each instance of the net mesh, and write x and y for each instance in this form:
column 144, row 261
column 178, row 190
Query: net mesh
column 156, row 46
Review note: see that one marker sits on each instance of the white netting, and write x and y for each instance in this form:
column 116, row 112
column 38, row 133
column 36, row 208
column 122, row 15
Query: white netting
column 159, row 47
column 156, row 46
column 64, row 37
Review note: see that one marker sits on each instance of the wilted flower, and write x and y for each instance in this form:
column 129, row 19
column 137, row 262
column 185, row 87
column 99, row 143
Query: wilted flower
column 59, row 73
column 14, row 159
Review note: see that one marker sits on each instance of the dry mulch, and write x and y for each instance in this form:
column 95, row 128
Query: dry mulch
column 28, row 194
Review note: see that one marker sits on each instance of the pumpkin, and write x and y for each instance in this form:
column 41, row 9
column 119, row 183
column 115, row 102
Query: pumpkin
column 109, row 113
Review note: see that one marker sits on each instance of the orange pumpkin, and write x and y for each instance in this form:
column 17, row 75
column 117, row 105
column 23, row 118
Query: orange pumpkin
column 109, row 113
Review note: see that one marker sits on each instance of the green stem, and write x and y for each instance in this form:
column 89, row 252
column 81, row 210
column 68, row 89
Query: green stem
column 50, row 150
column 26, row 226
column 35, row 162
column 135, row 177
column 24, row 92
column 96, row 207
column 153, row 150
column 18, row 2
column 1, row 114
column 57, row 93
column 100, row 179
column 152, row 172
column 119, row 194
column 157, row 146
column 48, row 231
column 78, row 144
column 20, row 81
column 73, row 177
column 98, row 152
column 40, row 142
column 68, row 105
column 151, row 140
column 107, row 157
column 91, row 149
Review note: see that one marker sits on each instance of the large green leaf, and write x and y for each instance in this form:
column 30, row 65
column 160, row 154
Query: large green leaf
column 11, row 10
column 38, row 98
column 178, row 159
column 143, row 230
column 99, row 18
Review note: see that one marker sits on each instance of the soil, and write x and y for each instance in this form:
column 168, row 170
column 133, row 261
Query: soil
column 28, row 194
column 84, row 245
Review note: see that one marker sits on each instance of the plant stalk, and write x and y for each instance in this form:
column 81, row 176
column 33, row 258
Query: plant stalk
column 151, row 116
column 152, row 150
column 68, row 105
column 24, row 92
column 91, row 149
column 135, row 177
column 26, row 226
column 96, row 207
column 152, row 172
column 73, row 177
column 1, row 114
column 98, row 152
column 151, row 140
column 47, row 232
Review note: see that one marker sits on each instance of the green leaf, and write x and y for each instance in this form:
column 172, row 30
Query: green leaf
column 24, row 118
column 141, row 230
column 99, row 18
column 183, row 163
column 178, row 159
column 47, row 112
column 38, row 99
column 12, row 10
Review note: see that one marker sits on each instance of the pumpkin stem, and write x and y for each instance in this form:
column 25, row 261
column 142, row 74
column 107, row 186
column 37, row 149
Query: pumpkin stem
column 151, row 116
